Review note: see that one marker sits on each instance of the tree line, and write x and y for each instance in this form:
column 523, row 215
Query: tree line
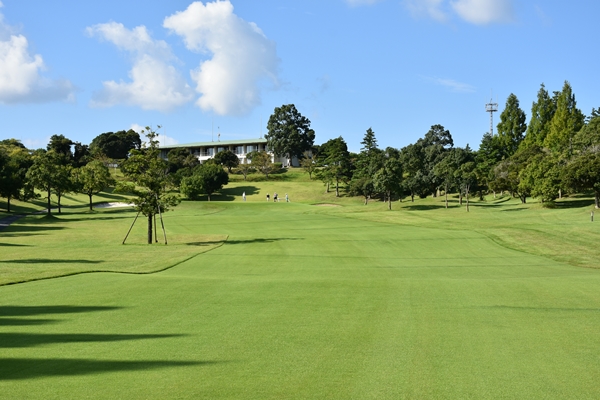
column 557, row 153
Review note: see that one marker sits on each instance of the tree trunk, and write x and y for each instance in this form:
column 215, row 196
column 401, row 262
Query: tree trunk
column 467, row 196
column 337, row 188
column 493, row 191
column 412, row 197
column 149, row 228
column 327, row 188
column 389, row 200
column 155, row 230
column 560, row 193
column 460, row 197
column 8, row 204
column 366, row 200
column 446, row 194
column 208, row 197
column 49, row 212
column 90, row 195
column 597, row 199
column 59, row 196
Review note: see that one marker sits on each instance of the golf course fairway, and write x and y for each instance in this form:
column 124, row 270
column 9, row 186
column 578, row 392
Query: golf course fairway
column 297, row 301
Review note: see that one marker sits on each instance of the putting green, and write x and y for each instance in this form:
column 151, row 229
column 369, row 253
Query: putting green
column 306, row 302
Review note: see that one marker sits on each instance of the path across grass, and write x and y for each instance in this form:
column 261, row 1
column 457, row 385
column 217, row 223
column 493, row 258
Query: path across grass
column 300, row 302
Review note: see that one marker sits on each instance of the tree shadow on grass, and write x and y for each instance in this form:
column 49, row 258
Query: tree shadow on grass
column 22, row 340
column 27, row 311
column 26, row 321
column 242, row 241
column 52, row 261
column 574, row 203
column 17, row 229
column 14, row 245
column 423, row 207
column 29, row 368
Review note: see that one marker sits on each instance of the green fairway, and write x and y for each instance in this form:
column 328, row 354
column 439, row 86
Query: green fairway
column 303, row 301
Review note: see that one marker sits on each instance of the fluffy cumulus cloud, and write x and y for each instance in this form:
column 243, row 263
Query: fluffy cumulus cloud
column 155, row 84
column 427, row 8
column 482, row 12
column 479, row 12
column 21, row 79
column 240, row 56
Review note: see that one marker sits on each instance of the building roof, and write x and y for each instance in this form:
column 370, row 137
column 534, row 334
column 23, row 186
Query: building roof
column 215, row 144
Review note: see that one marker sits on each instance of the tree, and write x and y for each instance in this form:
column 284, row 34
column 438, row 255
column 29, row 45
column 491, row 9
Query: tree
column 93, row 178
column 244, row 168
column 370, row 160
column 412, row 159
column 63, row 182
column 542, row 112
column 261, row 160
column 388, row 179
column 566, row 122
column 542, row 177
column 508, row 172
column 448, row 170
column 206, row 179
column 490, row 153
column 466, row 176
column 336, row 160
column 13, row 182
column 289, row 133
column 81, row 154
column 116, row 145
column 43, row 173
column 309, row 164
column 228, row 159
column 434, row 146
column 149, row 174
column 583, row 173
column 62, row 146
column 512, row 126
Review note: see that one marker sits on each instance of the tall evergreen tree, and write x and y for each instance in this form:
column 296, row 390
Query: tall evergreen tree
column 512, row 126
column 566, row 122
column 542, row 112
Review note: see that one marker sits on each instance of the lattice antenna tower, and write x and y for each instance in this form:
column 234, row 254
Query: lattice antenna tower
column 491, row 107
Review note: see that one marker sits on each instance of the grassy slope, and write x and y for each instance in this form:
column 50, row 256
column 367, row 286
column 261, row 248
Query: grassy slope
column 312, row 302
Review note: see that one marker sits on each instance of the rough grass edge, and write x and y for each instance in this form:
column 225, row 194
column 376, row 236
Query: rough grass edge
column 114, row 272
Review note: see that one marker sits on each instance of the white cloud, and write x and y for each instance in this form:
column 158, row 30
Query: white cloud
column 165, row 140
column 155, row 84
column 20, row 73
column 453, row 85
column 138, row 128
column 478, row 12
column 355, row 3
column 427, row 8
column 456, row 86
column 242, row 56
column 483, row 12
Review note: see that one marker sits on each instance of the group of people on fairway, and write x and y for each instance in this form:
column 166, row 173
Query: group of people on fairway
column 275, row 197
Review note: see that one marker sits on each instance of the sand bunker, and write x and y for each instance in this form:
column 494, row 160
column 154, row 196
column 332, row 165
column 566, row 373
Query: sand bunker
column 113, row 205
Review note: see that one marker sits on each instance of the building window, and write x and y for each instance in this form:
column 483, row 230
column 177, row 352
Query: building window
column 220, row 149
column 250, row 148
column 239, row 150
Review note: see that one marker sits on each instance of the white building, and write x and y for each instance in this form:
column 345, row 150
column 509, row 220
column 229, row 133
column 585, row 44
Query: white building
column 207, row 150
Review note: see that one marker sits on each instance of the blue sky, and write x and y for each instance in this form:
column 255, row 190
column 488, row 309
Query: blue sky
column 81, row 68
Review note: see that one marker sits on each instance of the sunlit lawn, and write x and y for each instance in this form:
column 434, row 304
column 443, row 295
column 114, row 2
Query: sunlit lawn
column 304, row 301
